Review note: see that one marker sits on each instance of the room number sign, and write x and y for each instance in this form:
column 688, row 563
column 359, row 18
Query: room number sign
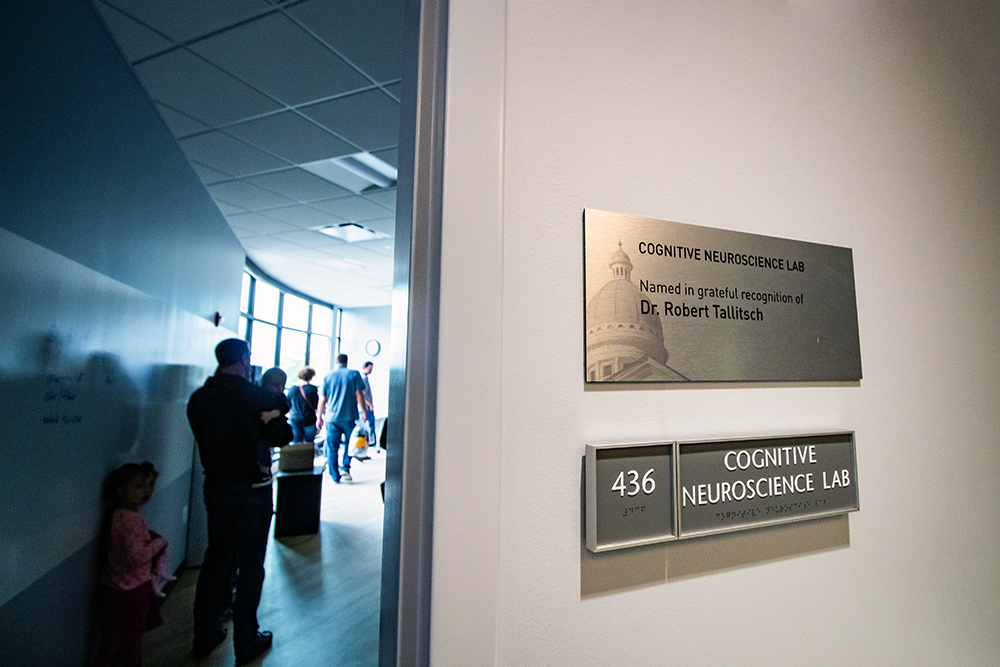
column 646, row 493
column 632, row 492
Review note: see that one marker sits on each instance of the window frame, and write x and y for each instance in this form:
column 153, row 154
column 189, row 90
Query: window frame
column 255, row 275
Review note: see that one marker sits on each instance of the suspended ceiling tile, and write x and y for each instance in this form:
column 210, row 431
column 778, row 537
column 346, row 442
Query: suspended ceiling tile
column 303, row 216
column 385, row 225
column 134, row 39
column 353, row 276
column 192, row 91
column 298, row 185
column 369, row 34
column 180, row 125
column 377, row 265
column 390, row 156
column 385, row 198
column 258, row 224
column 243, row 234
column 278, row 57
column 340, row 288
column 248, row 196
column 298, row 273
column 187, row 83
column 301, row 272
column 395, row 89
column 225, row 154
column 263, row 246
column 369, row 119
column 308, row 254
column 207, row 174
column 292, row 137
column 348, row 272
column 343, row 250
column 310, row 239
column 381, row 247
column 355, row 208
column 186, row 19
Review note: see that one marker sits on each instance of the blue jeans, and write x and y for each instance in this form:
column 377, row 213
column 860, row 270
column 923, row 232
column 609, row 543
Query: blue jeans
column 337, row 435
column 239, row 520
column 303, row 433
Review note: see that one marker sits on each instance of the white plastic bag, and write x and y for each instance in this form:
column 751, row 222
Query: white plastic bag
column 359, row 441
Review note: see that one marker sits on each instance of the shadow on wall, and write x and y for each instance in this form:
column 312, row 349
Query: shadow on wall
column 63, row 428
column 640, row 567
column 66, row 424
column 611, row 572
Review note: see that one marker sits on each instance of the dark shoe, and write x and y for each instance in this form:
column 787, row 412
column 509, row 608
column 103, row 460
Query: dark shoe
column 204, row 647
column 261, row 643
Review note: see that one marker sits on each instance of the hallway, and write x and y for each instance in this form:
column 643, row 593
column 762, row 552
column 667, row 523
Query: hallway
column 321, row 592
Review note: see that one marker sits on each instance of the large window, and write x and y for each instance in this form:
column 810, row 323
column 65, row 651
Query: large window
column 285, row 330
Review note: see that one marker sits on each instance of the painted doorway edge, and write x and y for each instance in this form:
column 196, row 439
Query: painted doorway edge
column 404, row 619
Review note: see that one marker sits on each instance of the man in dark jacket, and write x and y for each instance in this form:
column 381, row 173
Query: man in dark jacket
column 226, row 418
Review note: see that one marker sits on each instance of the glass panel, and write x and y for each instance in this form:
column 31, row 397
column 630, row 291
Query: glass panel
column 265, row 302
column 265, row 338
column 295, row 313
column 245, row 294
column 293, row 353
column 241, row 328
column 319, row 355
column 322, row 321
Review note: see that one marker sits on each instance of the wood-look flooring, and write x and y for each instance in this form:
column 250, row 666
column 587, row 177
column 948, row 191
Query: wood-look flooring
column 321, row 592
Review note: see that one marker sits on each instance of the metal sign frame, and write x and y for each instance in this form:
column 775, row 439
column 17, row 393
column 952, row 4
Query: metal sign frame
column 748, row 443
column 669, row 302
column 596, row 502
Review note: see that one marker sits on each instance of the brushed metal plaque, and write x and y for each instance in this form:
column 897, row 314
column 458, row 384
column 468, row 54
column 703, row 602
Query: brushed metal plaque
column 738, row 484
column 672, row 302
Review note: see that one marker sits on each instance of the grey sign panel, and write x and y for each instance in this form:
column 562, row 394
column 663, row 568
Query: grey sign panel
column 629, row 495
column 736, row 484
column 671, row 302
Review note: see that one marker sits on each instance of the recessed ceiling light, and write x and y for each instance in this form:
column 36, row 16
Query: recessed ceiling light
column 357, row 172
column 351, row 232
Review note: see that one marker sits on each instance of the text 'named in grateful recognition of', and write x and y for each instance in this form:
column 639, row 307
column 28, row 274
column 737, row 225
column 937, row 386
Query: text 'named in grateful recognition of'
column 671, row 302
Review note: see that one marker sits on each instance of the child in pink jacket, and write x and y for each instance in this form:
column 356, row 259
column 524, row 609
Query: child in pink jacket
column 135, row 567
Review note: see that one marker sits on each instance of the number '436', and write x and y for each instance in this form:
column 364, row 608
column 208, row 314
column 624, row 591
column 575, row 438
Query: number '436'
column 647, row 485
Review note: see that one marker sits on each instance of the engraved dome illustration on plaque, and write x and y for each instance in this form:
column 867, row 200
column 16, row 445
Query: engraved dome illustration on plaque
column 623, row 344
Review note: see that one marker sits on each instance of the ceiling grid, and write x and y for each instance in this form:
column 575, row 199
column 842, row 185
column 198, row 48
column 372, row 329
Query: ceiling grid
column 252, row 91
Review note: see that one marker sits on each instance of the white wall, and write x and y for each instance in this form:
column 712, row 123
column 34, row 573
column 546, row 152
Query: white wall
column 358, row 327
column 113, row 262
column 867, row 125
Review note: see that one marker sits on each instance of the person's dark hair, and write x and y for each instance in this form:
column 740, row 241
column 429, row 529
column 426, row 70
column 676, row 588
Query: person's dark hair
column 121, row 475
column 231, row 351
column 307, row 374
column 115, row 480
column 273, row 376
column 342, row 359
column 367, row 364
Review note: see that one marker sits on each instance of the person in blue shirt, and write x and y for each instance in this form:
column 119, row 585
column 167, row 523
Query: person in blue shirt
column 340, row 399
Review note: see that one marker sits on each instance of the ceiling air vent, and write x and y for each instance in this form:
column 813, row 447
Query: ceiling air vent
column 351, row 232
column 357, row 172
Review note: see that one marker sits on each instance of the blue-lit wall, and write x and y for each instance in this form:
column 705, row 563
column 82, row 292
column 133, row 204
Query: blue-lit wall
column 113, row 260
